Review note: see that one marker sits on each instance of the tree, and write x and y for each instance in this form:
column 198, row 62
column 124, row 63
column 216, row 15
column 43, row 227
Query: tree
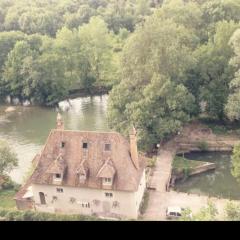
column 208, row 213
column 232, row 211
column 151, row 94
column 7, row 42
column 8, row 159
column 49, row 83
column 211, row 75
column 14, row 74
column 97, row 51
column 232, row 108
column 236, row 162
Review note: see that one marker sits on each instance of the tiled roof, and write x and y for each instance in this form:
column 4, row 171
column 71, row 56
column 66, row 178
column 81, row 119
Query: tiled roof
column 95, row 159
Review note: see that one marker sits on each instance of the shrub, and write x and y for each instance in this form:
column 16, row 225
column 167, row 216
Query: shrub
column 203, row 146
column 15, row 215
column 232, row 211
column 10, row 184
column 152, row 162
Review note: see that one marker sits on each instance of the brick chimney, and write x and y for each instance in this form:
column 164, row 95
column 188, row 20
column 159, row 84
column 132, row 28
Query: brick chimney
column 60, row 123
column 133, row 147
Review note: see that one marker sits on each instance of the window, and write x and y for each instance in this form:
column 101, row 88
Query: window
column 107, row 147
column 108, row 194
column 85, row 145
column 107, row 180
column 58, row 175
column 60, row 190
column 62, row 144
column 86, row 205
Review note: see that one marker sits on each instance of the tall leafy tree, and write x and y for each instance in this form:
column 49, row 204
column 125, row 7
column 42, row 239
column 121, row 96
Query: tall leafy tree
column 210, row 77
column 232, row 107
column 151, row 94
column 236, row 162
column 8, row 158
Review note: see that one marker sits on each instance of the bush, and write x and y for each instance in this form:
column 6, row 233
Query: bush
column 15, row 215
column 203, row 146
column 10, row 184
column 232, row 211
column 152, row 162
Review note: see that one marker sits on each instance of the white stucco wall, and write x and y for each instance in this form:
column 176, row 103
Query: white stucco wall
column 128, row 201
column 141, row 189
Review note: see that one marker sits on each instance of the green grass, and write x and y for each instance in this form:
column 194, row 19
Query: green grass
column 180, row 164
column 151, row 162
column 6, row 199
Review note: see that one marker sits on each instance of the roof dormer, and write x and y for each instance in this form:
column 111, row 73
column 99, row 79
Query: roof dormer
column 107, row 173
column 57, row 170
column 82, row 173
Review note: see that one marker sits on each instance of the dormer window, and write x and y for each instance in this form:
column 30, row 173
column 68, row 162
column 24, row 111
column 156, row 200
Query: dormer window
column 85, row 145
column 107, row 180
column 82, row 178
column 107, row 147
column 57, row 170
column 58, row 176
column 107, row 173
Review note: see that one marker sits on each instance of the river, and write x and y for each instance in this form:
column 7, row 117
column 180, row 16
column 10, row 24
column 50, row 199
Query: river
column 218, row 182
column 27, row 128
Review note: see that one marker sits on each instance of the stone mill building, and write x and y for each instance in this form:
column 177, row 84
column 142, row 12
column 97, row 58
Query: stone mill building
column 85, row 172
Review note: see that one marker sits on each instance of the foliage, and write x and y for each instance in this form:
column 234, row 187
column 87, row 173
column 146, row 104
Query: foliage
column 14, row 215
column 232, row 211
column 207, row 213
column 236, row 162
column 203, row 146
column 163, row 59
column 8, row 158
column 6, row 199
column 232, row 106
column 181, row 164
column 151, row 93
column 152, row 162
column 9, row 184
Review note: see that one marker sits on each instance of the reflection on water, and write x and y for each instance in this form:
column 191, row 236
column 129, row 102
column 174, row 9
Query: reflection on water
column 218, row 183
column 27, row 128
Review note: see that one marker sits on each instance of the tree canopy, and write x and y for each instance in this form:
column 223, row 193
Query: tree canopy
column 184, row 55
column 8, row 159
column 161, row 60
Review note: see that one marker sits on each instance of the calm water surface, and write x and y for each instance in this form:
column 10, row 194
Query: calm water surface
column 218, row 183
column 27, row 128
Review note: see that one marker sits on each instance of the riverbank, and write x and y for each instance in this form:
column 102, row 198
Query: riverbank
column 98, row 91
column 73, row 93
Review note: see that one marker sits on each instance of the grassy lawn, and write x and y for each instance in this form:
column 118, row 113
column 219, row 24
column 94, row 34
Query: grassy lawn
column 180, row 163
column 6, row 198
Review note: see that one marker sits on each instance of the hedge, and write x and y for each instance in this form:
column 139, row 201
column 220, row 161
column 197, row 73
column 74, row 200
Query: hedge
column 15, row 215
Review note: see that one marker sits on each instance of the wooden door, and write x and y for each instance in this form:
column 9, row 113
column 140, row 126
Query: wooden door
column 42, row 198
